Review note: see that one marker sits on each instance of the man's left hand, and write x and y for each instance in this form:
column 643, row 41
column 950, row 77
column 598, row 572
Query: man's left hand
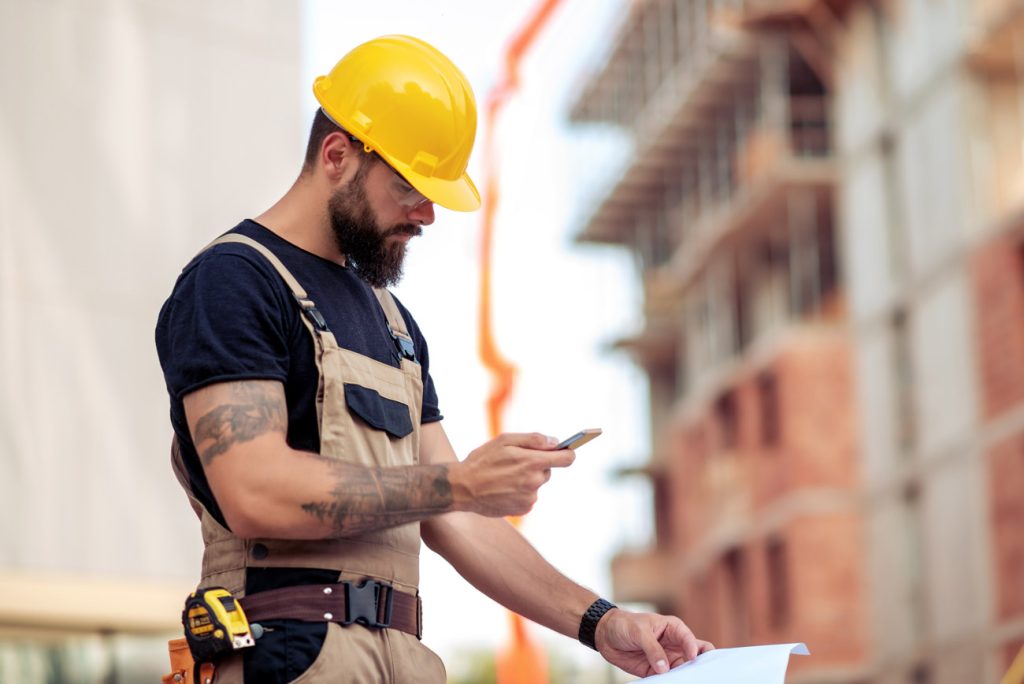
column 644, row 644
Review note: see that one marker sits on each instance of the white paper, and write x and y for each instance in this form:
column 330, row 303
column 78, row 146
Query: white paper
column 747, row 665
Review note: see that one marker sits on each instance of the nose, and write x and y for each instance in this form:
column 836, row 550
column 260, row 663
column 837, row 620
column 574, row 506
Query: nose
column 423, row 214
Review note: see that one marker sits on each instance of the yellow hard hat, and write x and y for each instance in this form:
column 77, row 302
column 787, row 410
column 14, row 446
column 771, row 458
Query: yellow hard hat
column 407, row 102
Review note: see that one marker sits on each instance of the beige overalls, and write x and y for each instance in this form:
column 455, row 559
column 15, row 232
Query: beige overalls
column 354, row 653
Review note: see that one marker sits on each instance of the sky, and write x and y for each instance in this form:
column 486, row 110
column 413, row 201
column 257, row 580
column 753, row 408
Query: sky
column 558, row 304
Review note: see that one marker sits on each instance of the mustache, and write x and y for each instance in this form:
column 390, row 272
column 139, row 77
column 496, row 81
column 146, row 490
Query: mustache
column 410, row 229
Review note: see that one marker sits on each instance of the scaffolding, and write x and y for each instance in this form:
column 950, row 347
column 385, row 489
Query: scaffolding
column 726, row 201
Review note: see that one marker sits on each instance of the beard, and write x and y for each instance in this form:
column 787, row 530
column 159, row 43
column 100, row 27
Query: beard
column 367, row 248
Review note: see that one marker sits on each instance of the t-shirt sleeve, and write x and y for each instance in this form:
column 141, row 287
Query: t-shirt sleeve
column 223, row 322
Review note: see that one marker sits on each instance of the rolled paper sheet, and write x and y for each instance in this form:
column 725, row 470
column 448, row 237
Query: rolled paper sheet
column 746, row 665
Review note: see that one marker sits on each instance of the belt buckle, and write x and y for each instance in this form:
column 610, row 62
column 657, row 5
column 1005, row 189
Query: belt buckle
column 363, row 603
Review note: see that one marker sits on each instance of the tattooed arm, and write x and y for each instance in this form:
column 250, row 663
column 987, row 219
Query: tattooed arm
column 267, row 489
column 498, row 561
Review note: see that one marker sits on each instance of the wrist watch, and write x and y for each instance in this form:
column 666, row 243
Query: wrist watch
column 593, row 615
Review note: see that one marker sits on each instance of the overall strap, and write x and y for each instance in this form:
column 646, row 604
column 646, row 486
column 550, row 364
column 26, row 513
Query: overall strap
column 313, row 319
column 396, row 324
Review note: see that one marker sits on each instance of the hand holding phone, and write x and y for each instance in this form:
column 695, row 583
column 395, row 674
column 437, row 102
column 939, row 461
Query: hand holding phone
column 579, row 439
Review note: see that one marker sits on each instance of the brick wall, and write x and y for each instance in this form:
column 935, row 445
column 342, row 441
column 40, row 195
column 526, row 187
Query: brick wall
column 801, row 577
column 998, row 279
column 998, row 274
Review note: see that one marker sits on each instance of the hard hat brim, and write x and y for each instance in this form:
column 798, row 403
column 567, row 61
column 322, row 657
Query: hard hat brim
column 458, row 195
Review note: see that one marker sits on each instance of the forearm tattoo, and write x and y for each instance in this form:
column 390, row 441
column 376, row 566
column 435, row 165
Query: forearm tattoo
column 360, row 499
column 364, row 499
column 254, row 409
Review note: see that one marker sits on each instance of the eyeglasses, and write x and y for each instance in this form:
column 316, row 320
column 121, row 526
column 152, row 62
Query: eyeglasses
column 400, row 189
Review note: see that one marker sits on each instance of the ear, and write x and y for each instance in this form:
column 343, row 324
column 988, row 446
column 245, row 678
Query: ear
column 339, row 157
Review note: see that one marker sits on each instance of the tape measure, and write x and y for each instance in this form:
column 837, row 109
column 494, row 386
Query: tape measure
column 215, row 624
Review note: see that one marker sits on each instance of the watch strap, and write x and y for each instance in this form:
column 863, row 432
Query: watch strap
column 593, row 615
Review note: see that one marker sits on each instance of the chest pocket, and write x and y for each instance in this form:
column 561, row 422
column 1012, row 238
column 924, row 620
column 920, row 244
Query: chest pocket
column 377, row 411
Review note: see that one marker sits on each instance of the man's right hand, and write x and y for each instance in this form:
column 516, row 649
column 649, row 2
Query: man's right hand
column 502, row 477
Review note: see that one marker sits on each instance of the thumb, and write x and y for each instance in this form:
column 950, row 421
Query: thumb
column 654, row 652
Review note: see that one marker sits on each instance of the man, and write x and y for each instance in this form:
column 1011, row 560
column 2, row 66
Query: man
column 308, row 432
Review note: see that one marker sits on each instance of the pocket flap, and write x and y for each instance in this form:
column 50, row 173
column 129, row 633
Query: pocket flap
column 379, row 412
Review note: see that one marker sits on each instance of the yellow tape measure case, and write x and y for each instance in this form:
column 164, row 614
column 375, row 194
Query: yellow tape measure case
column 215, row 624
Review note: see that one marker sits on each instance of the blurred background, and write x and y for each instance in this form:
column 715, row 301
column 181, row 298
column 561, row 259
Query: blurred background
column 774, row 248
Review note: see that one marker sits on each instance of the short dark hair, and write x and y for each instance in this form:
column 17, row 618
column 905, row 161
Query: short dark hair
column 322, row 127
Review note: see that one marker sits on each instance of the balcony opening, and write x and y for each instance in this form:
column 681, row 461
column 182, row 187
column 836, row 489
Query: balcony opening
column 655, row 228
column 704, row 599
column 727, row 418
column 665, row 374
column 662, row 512
column 771, row 272
column 736, row 583
column 813, row 266
column 777, row 564
column 808, row 106
column 768, row 401
column 921, row 674
column 828, row 263
column 742, row 310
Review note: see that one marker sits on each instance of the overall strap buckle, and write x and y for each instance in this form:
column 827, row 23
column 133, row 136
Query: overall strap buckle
column 369, row 603
column 311, row 312
column 404, row 344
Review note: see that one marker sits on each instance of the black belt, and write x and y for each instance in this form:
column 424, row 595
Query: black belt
column 370, row 603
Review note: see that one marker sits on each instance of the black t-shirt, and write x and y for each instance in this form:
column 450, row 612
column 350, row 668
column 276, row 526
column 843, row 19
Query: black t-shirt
column 232, row 317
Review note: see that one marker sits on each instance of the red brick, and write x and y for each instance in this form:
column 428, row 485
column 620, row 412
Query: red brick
column 998, row 277
column 1006, row 484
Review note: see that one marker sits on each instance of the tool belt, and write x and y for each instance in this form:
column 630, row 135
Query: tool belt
column 371, row 603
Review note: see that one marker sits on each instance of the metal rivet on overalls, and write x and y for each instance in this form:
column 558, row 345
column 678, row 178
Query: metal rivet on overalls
column 328, row 590
column 328, row 616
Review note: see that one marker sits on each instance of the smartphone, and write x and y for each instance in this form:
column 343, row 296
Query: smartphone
column 579, row 439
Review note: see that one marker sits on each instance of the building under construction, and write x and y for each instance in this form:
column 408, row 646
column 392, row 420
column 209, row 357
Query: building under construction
column 826, row 203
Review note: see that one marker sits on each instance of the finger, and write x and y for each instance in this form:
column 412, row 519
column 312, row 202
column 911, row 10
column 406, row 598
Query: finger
column 547, row 474
column 527, row 440
column 545, row 459
column 702, row 647
column 678, row 633
column 653, row 650
column 676, row 662
column 559, row 459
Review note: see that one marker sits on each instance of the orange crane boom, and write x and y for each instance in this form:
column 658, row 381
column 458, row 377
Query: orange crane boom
column 522, row 661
